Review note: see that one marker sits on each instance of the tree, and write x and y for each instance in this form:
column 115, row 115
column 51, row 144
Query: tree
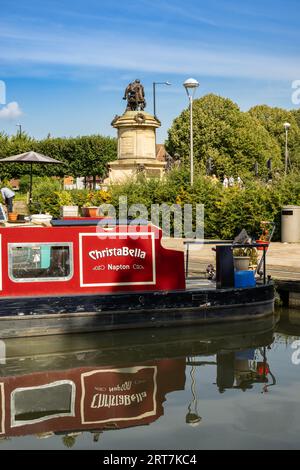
column 273, row 119
column 233, row 139
column 83, row 156
column 296, row 115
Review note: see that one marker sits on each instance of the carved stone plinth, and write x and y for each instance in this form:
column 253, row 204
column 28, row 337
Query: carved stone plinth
column 136, row 147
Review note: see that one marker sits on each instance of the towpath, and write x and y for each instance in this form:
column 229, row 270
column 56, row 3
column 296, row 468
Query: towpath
column 283, row 259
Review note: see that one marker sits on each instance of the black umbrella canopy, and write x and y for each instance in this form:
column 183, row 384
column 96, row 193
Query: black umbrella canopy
column 30, row 157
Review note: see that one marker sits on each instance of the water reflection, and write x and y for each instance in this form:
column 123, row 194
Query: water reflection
column 67, row 385
column 289, row 323
column 243, row 369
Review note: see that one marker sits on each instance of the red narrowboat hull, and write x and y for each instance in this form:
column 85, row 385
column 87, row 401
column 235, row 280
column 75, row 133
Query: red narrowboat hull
column 89, row 278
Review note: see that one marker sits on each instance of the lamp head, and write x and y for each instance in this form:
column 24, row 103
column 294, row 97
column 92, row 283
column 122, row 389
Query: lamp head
column 193, row 419
column 286, row 125
column 190, row 85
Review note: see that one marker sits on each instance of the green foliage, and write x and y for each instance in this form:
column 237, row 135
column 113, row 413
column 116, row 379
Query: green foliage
column 82, row 156
column 69, row 441
column 233, row 139
column 46, row 194
column 79, row 197
column 227, row 211
column 65, row 198
column 248, row 252
column 24, row 184
column 296, row 115
column 273, row 119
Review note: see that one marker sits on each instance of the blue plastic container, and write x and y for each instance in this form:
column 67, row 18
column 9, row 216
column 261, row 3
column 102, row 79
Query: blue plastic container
column 244, row 279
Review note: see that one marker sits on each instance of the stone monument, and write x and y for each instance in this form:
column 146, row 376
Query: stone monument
column 136, row 139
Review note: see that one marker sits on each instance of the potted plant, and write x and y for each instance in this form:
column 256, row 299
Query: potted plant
column 88, row 210
column 242, row 257
column 264, row 238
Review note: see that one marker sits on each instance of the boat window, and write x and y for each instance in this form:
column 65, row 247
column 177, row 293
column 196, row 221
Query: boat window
column 38, row 262
column 36, row 404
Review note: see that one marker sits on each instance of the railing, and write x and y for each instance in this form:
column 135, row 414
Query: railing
column 261, row 267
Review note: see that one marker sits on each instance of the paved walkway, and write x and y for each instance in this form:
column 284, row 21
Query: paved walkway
column 283, row 259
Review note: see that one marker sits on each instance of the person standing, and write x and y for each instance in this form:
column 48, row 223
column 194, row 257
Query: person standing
column 225, row 182
column 231, row 181
column 8, row 196
column 239, row 182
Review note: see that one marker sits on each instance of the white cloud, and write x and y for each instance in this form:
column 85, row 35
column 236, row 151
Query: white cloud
column 103, row 49
column 11, row 111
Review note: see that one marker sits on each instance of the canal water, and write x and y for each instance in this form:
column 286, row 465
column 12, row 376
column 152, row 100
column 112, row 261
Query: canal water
column 214, row 387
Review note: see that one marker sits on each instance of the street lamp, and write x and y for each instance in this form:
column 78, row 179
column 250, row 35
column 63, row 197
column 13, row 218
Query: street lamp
column 209, row 166
column 154, row 94
column 190, row 85
column 286, row 126
column 20, row 129
column 192, row 417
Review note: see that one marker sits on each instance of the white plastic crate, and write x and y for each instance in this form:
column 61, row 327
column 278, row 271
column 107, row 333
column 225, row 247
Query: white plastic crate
column 69, row 211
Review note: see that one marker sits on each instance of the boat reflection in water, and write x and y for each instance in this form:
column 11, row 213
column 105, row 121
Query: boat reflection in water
column 99, row 382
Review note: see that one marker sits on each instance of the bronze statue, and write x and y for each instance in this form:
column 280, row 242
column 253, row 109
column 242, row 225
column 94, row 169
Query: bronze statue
column 135, row 96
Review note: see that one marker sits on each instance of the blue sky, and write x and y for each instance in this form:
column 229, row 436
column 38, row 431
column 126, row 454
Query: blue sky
column 66, row 63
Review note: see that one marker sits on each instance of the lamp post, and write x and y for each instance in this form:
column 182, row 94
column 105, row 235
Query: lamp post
column 154, row 94
column 269, row 167
column 20, row 129
column 190, row 85
column 209, row 166
column 286, row 126
column 192, row 417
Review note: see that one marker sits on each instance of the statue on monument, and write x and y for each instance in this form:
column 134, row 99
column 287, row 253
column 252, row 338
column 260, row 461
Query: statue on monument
column 135, row 96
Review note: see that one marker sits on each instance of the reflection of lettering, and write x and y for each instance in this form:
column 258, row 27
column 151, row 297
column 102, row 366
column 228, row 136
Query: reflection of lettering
column 107, row 401
column 114, row 395
column 122, row 387
column 124, row 251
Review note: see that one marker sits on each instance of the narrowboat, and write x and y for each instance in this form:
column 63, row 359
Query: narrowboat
column 83, row 275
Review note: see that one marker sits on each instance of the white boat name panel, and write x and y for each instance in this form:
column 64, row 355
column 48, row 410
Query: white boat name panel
column 104, row 258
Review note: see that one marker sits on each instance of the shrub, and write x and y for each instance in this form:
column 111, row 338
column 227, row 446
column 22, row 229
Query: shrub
column 46, row 195
column 65, row 198
column 227, row 211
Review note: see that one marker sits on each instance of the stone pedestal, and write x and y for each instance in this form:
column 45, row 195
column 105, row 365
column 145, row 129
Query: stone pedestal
column 136, row 147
